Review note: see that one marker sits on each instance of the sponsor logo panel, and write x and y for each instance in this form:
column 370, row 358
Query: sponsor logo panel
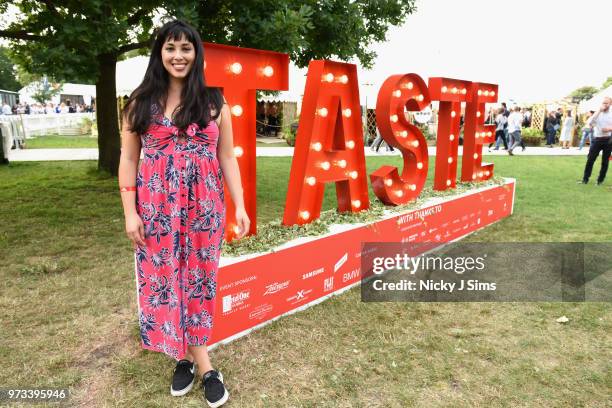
column 276, row 287
column 236, row 301
column 299, row 296
column 261, row 311
column 310, row 274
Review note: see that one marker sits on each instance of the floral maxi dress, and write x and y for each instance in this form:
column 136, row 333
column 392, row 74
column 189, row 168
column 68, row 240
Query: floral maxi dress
column 180, row 200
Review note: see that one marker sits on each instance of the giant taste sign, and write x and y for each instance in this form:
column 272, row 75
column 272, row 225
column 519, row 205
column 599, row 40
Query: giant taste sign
column 329, row 149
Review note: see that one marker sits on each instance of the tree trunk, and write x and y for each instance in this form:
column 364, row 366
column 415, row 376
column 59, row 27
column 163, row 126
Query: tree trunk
column 109, row 142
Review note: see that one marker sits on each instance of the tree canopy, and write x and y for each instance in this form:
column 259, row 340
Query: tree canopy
column 585, row 92
column 81, row 40
column 606, row 83
column 8, row 72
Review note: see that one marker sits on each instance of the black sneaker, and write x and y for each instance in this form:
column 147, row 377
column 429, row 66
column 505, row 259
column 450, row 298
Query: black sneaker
column 183, row 378
column 214, row 390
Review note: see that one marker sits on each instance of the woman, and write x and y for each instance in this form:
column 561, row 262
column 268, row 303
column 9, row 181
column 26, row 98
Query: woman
column 549, row 128
column 566, row 131
column 174, row 204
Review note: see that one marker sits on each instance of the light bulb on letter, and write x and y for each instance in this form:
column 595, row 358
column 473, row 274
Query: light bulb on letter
column 236, row 68
column 268, row 71
column 236, row 110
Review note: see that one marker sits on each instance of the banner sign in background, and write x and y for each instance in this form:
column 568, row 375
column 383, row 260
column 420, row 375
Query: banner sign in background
column 254, row 291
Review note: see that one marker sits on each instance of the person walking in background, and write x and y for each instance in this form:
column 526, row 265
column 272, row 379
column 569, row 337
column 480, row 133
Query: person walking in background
column 378, row 142
column 566, row 131
column 601, row 122
column 550, row 129
column 500, row 121
column 587, row 131
column 506, row 114
column 526, row 117
column 515, row 121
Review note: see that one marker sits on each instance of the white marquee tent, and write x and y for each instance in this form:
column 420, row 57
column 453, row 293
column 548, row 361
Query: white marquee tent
column 595, row 102
column 86, row 91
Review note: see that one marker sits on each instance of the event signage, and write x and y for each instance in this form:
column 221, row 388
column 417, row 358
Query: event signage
column 255, row 289
column 329, row 143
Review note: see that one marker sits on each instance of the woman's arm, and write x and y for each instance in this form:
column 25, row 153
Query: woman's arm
column 128, row 167
column 231, row 171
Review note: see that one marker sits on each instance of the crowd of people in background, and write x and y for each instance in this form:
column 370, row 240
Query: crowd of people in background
column 508, row 125
column 48, row 108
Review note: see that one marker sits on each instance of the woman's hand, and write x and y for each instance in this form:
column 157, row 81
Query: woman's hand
column 243, row 222
column 134, row 228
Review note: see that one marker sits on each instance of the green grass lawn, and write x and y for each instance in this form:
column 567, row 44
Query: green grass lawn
column 278, row 144
column 69, row 309
column 61, row 142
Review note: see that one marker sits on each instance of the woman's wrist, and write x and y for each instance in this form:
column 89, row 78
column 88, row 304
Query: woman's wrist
column 130, row 212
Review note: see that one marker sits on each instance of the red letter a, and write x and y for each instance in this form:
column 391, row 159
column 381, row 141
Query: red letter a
column 329, row 144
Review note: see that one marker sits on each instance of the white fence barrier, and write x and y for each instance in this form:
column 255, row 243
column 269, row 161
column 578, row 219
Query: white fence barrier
column 13, row 133
column 16, row 128
column 60, row 123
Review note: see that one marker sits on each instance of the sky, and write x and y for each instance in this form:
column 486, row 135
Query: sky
column 535, row 50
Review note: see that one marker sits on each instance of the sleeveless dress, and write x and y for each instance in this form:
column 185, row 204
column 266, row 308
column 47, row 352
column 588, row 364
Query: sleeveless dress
column 566, row 132
column 181, row 202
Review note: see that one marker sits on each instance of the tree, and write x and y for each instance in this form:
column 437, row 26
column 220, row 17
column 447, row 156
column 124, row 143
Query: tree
column 8, row 73
column 585, row 92
column 44, row 90
column 306, row 30
column 606, row 83
column 77, row 40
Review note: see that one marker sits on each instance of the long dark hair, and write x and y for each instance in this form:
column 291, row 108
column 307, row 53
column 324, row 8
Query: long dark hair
column 197, row 100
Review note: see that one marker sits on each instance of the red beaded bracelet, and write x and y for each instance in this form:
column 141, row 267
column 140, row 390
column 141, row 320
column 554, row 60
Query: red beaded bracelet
column 123, row 189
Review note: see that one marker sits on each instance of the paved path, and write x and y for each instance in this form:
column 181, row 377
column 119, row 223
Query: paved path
column 92, row 154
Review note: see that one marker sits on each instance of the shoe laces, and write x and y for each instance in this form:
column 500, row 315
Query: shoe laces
column 183, row 365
